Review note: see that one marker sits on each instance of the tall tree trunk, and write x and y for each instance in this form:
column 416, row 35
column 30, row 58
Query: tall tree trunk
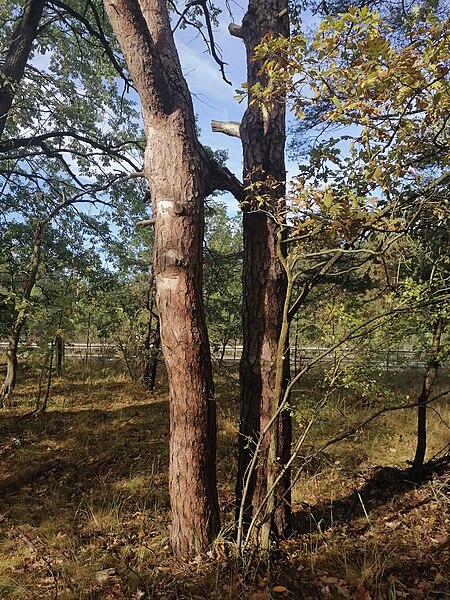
column 264, row 281
column 9, row 382
column 428, row 381
column 17, row 56
column 177, row 170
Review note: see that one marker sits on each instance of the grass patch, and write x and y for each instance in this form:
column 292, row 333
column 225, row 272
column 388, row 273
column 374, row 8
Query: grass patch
column 84, row 509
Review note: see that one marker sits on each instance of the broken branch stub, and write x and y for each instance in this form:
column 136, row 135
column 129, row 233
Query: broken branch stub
column 231, row 128
column 235, row 30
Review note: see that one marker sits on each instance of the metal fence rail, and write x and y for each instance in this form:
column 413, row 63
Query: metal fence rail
column 94, row 350
column 389, row 359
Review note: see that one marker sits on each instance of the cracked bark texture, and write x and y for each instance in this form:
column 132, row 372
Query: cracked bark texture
column 178, row 175
column 264, row 279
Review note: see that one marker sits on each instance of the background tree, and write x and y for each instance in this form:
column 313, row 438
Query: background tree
column 222, row 277
column 56, row 142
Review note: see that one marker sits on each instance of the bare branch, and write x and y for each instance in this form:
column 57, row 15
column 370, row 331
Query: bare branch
column 209, row 40
column 231, row 128
column 145, row 222
column 38, row 140
column 223, row 179
column 212, row 43
column 182, row 15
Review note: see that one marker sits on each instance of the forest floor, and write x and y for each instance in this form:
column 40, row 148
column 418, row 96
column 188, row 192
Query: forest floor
column 84, row 509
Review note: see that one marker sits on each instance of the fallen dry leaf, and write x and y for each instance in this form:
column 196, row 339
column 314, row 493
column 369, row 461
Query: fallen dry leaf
column 279, row 589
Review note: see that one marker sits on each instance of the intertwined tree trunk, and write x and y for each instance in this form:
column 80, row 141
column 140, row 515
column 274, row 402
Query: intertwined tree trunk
column 264, row 283
column 11, row 72
column 10, row 380
column 177, row 171
column 13, row 67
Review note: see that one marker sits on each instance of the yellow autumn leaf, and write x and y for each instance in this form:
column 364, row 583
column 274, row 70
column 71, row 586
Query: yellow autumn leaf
column 377, row 173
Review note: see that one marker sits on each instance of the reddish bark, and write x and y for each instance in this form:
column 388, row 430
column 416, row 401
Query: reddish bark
column 179, row 178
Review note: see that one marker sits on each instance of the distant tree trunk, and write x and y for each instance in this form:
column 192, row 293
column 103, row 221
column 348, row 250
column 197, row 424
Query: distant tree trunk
column 179, row 177
column 148, row 335
column 154, row 358
column 87, row 359
column 428, row 381
column 41, row 379
column 264, row 279
column 13, row 342
column 13, row 67
column 152, row 343
column 59, row 351
column 296, row 349
column 10, row 380
column 223, row 349
column 49, row 378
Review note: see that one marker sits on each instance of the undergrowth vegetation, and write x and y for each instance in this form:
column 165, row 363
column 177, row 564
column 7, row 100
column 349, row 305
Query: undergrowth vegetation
column 84, row 509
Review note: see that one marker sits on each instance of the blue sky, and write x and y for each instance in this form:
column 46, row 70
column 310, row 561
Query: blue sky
column 213, row 98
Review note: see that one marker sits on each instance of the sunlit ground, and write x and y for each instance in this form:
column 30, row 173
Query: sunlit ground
column 84, row 510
